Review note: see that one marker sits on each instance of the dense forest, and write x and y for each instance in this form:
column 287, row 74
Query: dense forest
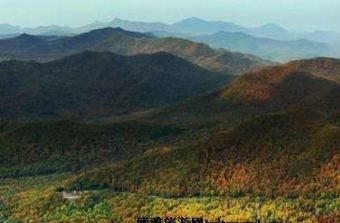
column 100, row 137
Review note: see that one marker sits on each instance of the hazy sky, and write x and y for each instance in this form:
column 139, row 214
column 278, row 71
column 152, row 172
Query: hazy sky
column 302, row 14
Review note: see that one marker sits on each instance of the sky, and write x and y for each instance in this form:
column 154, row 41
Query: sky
column 293, row 14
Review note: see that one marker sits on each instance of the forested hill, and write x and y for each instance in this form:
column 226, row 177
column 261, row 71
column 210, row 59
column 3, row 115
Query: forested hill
column 94, row 84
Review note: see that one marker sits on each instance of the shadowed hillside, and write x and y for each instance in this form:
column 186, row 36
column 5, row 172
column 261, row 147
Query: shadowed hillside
column 100, row 84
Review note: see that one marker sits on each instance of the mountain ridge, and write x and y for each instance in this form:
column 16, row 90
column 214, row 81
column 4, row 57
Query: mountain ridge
column 129, row 43
column 291, row 86
column 271, row 49
column 100, row 83
column 268, row 30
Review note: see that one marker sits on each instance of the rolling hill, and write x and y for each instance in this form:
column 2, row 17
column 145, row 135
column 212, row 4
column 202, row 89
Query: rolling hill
column 305, row 84
column 119, row 41
column 95, row 84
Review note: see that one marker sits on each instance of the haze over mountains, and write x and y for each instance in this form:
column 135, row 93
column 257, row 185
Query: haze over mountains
column 276, row 50
column 269, row 41
column 190, row 26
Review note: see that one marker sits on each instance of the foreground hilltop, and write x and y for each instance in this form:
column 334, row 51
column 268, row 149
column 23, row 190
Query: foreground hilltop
column 119, row 41
column 324, row 67
column 296, row 84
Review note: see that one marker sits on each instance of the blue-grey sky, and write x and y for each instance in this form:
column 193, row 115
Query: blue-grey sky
column 301, row 14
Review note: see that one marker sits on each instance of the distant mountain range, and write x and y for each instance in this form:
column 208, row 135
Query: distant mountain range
column 189, row 26
column 271, row 49
column 323, row 36
column 270, row 41
column 197, row 26
column 119, row 41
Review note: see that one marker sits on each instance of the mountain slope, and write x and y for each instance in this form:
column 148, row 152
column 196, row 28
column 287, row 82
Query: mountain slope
column 86, row 40
column 127, row 43
column 298, row 142
column 40, row 48
column 265, row 147
column 289, row 157
column 22, row 43
column 100, row 83
column 323, row 36
column 270, row 133
column 306, row 84
column 270, row 49
column 200, row 54
column 41, row 147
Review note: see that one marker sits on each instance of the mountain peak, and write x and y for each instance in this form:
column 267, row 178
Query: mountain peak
column 273, row 26
column 27, row 37
column 117, row 30
column 193, row 19
column 118, row 20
